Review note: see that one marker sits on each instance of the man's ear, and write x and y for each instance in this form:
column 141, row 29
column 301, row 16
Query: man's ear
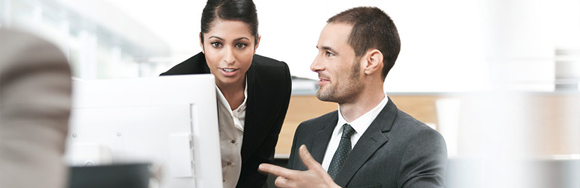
column 373, row 62
column 201, row 43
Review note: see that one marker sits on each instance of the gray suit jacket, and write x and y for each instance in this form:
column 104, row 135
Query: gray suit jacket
column 35, row 97
column 395, row 151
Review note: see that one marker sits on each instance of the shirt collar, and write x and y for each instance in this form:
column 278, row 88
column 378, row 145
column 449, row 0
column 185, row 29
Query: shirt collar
column 361, row 124
column 223, row 100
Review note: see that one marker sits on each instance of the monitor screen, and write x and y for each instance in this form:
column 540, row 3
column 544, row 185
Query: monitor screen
column 170, row 122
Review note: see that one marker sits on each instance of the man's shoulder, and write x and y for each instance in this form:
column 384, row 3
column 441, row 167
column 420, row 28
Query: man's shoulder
column 408, row 120
column 400, row 126
column 319, row 121
column 407, row 127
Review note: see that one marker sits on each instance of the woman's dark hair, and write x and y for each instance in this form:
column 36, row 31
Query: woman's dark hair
column 371, row 28
column 233, row 10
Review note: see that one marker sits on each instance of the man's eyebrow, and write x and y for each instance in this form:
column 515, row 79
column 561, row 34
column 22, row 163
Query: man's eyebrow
column 328, row 48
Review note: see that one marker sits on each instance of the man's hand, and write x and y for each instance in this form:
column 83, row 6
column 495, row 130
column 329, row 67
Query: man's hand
column 315, row 176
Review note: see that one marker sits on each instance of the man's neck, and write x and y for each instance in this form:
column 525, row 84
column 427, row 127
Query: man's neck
column 363, row 104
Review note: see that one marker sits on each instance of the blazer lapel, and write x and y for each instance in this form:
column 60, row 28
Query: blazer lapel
column 371, row 140
column 259, row 117
column 322, row 137
column 252, row 128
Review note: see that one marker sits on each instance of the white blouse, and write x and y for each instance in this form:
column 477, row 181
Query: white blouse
column 231, row 127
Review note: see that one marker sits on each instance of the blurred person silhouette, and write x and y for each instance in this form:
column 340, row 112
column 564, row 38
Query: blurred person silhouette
column 368, row 141
column 35, row 100
column 253, row 90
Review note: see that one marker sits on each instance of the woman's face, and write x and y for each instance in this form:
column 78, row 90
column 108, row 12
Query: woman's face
column 229, row 48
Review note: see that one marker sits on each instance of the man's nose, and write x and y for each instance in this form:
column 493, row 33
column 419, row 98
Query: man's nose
column 316, row 64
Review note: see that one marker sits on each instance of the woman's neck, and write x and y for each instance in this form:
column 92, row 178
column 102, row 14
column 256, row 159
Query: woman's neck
column 234, row 93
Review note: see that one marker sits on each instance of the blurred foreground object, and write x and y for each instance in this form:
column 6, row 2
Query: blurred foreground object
column 35, row 100
column 508, row 139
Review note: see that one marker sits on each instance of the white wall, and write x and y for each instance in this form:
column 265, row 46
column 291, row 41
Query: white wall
column 436, row 40
column 447, row 45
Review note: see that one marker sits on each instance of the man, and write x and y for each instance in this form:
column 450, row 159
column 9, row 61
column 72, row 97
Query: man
column 357, row 48
column 35, row 99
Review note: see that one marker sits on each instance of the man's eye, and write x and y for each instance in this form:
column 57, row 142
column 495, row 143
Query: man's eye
column 330, row 54
column 216, row 44
column 241, row 45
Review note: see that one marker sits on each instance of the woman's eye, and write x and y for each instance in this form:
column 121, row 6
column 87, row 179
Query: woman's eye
column 216, row 44
column 241, row 45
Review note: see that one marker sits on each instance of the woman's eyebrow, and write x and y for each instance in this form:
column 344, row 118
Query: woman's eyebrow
column 219, row 38
column 242, row 38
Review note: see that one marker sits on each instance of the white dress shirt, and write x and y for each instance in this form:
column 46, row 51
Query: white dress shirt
column 231, row 127
column 360, row 125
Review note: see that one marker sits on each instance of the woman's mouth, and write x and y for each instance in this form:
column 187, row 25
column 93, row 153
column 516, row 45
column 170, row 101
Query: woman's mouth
column 229, row 71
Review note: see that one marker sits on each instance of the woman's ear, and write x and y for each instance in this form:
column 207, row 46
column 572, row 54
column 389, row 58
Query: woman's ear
column 201, row 43
column 373, row 62
column 257, row 43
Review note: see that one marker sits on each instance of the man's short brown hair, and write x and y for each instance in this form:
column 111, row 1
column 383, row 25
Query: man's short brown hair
column 371, row 28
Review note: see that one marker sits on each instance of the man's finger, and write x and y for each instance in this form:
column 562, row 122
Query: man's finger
column 283, row 182
column 275, row 170
column 307, row 159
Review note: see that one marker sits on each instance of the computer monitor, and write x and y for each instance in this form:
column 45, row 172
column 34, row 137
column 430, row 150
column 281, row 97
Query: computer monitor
column 168, row 121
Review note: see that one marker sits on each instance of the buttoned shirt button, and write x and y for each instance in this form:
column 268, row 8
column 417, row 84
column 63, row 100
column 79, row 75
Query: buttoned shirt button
column 233, row 141
column 229, row 163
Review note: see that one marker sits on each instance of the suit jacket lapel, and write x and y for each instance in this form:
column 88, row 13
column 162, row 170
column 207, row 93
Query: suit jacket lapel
column 322, row 137
column 252, row 128
column 259, row 117
column 371, row 140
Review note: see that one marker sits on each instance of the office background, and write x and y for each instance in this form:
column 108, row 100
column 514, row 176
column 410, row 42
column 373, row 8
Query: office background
column 500, row 78
column 454, row 45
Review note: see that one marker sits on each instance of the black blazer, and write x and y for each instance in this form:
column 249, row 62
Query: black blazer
column 269, row 88
column 395, row 151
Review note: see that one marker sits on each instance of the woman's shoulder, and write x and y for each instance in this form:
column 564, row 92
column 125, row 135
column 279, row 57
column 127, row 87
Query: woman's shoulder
column 263, row 61
column 271, row 74
column 270, row 68
column 193, row 65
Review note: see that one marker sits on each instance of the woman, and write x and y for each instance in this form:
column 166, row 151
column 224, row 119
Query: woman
column 253, row 91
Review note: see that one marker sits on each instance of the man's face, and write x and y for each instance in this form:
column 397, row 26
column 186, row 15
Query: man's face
column 337, row 66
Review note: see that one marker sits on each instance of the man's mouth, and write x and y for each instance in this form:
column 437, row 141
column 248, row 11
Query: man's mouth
column 323, row 81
